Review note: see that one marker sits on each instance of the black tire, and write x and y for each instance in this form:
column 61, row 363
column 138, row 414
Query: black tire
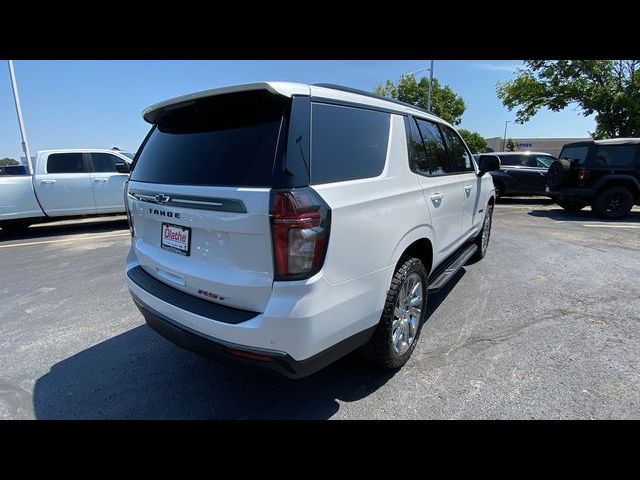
column 557, row 173
column 486, row 228
column 380, row 348
column 613, row 203
column 499, row 189
column 570, row 206
column 15, row 226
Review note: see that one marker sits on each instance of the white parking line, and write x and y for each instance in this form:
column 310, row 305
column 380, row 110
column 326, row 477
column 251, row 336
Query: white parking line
column 74, row 239
column 603, row 225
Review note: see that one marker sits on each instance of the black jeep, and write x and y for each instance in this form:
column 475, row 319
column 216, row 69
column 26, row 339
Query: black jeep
column 602, row 173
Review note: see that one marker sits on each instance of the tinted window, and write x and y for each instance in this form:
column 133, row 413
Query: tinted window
column 105, row 162
column 14, row 170
column 575, row 154
column 434, row 145
column 222, row 140
column 65, row 163
column 531, row 160
column 347, row 143
column 614, row 156
column 458, row 156
column 418, row 155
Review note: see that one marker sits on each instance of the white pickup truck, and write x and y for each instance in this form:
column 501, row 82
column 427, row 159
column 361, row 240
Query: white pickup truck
column 65, row 183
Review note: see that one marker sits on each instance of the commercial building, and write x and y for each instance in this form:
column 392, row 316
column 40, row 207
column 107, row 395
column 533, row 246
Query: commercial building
column 547, row 145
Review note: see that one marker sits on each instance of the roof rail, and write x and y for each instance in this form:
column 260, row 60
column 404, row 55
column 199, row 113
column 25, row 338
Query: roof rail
column 368, row 94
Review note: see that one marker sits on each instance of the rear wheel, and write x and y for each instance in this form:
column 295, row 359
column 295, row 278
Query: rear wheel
column 570, row 206
column 404, row 312
column 613, row 203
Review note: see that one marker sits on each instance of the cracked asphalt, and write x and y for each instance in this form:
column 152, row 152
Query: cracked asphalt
column 545, row 327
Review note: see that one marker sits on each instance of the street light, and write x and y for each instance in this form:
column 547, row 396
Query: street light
column 504, row 139
column 16, row 99
column 430, row 82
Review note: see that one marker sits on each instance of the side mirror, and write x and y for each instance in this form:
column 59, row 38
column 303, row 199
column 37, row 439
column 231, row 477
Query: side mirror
column 488, row 163
column 122, row 167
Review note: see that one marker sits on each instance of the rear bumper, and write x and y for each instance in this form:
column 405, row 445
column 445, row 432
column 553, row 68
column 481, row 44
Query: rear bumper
column 581, row 194
column 251, row 357
column 304, row 328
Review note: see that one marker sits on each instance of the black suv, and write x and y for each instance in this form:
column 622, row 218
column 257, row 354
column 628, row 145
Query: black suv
column 602, row 173
column 521, row 173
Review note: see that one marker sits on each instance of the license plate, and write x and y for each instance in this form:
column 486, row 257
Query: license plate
column 176, row 239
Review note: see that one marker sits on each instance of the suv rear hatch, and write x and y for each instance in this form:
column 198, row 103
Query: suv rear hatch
column 199, row 193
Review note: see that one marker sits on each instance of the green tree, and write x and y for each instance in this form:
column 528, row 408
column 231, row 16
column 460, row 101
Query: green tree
column 445, row 103
column 6, row 162
column 475, row 141
column 510, row 145
column 610, row 89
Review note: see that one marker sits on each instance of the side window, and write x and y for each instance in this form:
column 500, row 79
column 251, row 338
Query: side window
column 620, row 156
column 347, row 143
column 66, row 163
column 105, row 162
column 458, row 155
column 434, row 145
column 417, row 154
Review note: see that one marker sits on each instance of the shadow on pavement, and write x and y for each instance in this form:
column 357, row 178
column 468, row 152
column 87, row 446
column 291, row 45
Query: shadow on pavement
column 140, row 375
column 560, row 214
column 44, row 230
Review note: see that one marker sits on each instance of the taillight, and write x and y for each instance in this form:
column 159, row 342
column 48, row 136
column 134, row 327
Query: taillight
column 582, row 176
column 300, row 222
column 126, row 207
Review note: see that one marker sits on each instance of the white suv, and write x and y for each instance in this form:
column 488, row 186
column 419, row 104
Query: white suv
column 285, row 225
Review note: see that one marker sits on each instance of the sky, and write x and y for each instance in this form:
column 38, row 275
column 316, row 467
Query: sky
column 98, row 103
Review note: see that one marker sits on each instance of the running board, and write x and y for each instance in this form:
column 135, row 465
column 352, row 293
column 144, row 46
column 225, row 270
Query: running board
column 447, row 274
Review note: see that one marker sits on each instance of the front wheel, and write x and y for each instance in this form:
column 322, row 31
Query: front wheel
column 404, row 312
column 482, row 240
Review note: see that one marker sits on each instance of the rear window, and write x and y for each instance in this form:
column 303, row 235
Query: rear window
column 14, row 170
column 577, row 155
column 227, row 140
column 347, row 143
column 65, row 163
column 434, row 145
column 614, row 156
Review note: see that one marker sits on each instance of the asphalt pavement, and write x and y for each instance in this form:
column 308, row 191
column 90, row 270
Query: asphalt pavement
column 545, row 327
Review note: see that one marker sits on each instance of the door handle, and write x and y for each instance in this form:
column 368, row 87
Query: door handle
column 99, row 180
column 47, row 181
column 467, row 189
column 436, row 198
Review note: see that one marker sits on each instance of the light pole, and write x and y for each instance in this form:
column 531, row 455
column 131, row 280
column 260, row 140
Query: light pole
column 504, row 139
column 430, row 82
column 16, row 99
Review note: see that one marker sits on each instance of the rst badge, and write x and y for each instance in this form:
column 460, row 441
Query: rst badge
column 176, row 239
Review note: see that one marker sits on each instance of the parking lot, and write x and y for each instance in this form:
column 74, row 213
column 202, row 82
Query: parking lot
column 546, row 326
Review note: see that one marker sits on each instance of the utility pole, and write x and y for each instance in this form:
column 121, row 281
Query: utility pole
column 23, row 133
column 430, row 86
column 504, row 138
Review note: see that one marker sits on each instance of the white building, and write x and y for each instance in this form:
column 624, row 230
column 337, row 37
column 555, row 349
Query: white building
column 547, row 145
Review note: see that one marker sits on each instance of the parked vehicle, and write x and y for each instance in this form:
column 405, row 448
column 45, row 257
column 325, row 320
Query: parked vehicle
column 521, row 173
column 602, row 173
column 65, row 183
column 304, row 222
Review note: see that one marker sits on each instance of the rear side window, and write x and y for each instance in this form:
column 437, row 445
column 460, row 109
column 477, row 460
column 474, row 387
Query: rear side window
column 347, row 143
column 418, row 155
column 614, row 156
column 435, row 147
column 226, row 140
column 105, row 162
column 459, row 158
column 66, row 163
